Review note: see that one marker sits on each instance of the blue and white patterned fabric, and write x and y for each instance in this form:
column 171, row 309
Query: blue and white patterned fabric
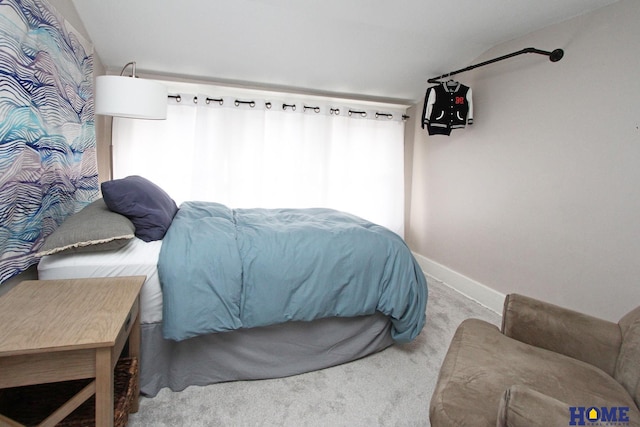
column 48, row 167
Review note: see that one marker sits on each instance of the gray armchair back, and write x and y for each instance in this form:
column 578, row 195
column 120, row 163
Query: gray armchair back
column 627, row 370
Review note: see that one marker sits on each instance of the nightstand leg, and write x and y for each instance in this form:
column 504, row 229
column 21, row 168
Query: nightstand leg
column 104, row 387
column 134, row 351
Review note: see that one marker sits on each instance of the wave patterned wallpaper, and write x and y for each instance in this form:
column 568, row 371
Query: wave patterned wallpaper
column 48, row 166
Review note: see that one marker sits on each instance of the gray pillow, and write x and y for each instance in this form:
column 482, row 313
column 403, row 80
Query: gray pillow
column 94, row 228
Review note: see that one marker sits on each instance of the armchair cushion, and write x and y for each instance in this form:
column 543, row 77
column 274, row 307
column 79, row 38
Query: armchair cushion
column 563, row 331
column 482, row 363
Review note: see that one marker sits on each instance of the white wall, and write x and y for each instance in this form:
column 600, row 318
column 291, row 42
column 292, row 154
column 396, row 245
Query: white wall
column 541, row 195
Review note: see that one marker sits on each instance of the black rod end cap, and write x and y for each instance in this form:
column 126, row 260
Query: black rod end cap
column 556, row 55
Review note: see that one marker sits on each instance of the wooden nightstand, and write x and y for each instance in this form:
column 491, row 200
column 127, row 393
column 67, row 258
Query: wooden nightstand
column 61, row 330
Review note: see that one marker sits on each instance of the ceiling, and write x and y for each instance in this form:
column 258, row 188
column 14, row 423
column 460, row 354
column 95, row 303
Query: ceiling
column 370, row 48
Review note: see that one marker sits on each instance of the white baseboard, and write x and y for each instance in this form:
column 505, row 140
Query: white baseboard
column 478, row 292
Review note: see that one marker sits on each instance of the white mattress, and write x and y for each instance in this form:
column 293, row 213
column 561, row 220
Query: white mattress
column 137, row 258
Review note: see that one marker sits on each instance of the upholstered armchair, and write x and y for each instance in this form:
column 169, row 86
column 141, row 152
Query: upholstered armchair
column 547, row 366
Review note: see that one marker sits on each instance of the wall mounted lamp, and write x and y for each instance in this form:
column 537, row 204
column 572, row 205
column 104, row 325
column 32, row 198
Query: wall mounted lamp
column 130, row 96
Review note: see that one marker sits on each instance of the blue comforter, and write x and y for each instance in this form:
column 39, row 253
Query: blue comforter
column 223, row 269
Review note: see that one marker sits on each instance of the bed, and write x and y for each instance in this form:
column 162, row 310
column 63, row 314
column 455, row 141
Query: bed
column 277, row 321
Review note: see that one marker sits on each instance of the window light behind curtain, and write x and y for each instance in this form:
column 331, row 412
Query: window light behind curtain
column 248, row 157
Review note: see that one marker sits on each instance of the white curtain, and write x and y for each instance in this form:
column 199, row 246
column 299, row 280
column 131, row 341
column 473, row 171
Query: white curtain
column 254, row 156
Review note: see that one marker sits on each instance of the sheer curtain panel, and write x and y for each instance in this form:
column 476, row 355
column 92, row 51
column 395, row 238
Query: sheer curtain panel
column 267, row 153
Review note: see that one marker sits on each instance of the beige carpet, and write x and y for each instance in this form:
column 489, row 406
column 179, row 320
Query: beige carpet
column 390, row 388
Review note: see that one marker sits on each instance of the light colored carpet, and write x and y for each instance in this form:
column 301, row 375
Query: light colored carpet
column 390, row 388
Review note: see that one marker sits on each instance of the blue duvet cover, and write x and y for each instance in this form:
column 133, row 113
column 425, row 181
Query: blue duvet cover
column 223, row 269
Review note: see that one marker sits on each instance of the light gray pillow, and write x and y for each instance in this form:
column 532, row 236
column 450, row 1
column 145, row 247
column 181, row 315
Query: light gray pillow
column 94, row 228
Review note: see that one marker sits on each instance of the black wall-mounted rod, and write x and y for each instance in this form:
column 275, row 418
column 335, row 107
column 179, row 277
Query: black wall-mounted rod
column 554, row 56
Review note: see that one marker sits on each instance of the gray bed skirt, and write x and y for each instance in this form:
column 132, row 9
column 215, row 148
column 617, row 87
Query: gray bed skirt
column 250, row 354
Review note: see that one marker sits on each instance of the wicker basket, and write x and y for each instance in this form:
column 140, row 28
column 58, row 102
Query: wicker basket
column 30, row 405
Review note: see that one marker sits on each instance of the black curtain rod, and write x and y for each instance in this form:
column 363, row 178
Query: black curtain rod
column 554, row 56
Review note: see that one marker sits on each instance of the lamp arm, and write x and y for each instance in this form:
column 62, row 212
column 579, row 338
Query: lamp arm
column 133, row 68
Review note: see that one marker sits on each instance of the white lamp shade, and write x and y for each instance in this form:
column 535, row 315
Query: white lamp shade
column 130, row 97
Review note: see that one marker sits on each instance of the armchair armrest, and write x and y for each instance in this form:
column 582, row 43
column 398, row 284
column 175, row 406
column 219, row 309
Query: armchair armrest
column 580, row 336
column 523, row 407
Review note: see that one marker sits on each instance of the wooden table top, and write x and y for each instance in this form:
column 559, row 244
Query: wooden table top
column 38, row 316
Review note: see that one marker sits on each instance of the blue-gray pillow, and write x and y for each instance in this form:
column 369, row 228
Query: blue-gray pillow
column 148, row 206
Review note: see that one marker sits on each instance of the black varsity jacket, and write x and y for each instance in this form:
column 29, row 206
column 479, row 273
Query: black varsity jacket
column 447, row 107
